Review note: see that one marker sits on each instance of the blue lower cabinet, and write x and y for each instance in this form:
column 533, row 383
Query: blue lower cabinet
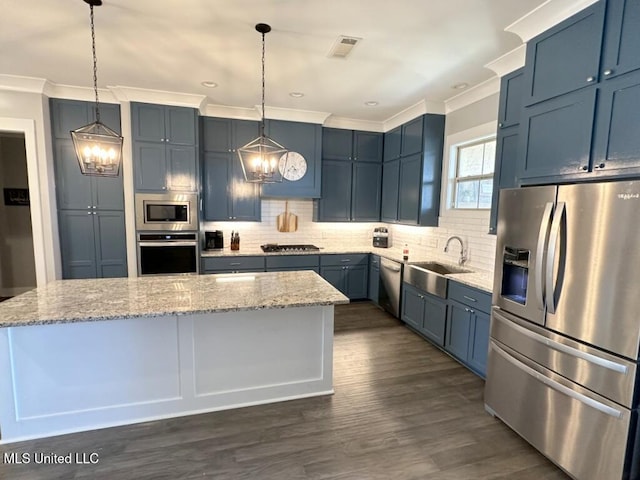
column 284, row 263
column 347, row 273
column 374, row 277
column 412, row 306
column 232, row 264
column 425, row 313
column 458, row 329
column 479, row 343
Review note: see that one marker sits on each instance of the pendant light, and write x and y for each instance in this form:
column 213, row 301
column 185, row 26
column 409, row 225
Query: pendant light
column 263, row 159
column 98, row 148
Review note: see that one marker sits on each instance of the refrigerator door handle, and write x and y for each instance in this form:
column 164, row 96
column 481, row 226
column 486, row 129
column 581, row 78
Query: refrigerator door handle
column 540, row 250
column 552, row 251
column 606, row 409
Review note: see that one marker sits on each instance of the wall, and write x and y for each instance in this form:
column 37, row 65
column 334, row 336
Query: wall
column 17, row 265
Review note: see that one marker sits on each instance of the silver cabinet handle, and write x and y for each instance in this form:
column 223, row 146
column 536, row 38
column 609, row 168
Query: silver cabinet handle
column 551, row 256
column 607, row 72
column 590, row 79
column 556, row 385
column 346, row 260
column 471, row 299
column 542, row 236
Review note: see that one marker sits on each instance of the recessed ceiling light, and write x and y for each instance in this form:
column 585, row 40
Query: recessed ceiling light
column 296, row 94
column 209, row 84
column 371, row 103
column 460, row 86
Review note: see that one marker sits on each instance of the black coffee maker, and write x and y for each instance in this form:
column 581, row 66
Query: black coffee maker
column 213, row 240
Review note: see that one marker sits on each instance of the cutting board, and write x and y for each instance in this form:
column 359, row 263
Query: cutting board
column 287, row 222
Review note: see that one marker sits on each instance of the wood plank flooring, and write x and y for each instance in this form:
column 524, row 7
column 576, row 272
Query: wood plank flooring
column 402, row 410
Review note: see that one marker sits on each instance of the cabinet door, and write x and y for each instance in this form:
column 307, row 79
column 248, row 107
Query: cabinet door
column 216, row 189
column 335, row 204
column 409, row 189
column 109, row 115
column 511, row 93
column 430, row 180
column 337, row 144
column 108, row 192
column 374, row 278
column 180, row 125
column 335, row 275
column 622, row 37
column 617, row 143
column 216, row 134
column 147, row 122
column 507, row 149
column 558, row 136
column 181, row 168
column 77, row 244
column 244, row 131
column 245, row 200
column 110, row 244
column 479, row 342
column 150, row 166
column 435, row 316
column 357, row 281
column 565, row 57
column 457, row 331
column 390, row 182
column 412, row 306
column 73, row 190
column 412, row 137
column 366, row 192
column 392, row 144
column 367, row 146
column 67, row 115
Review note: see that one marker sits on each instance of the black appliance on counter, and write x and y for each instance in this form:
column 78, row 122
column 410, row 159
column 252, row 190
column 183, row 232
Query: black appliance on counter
column 214, row 240
column 381, row 237
column 274, row 247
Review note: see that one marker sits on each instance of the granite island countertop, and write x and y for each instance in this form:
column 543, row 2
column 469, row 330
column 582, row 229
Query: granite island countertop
column 67, row 301
column 480, row 279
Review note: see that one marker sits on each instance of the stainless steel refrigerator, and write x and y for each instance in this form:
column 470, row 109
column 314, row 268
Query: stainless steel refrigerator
column 565, row 325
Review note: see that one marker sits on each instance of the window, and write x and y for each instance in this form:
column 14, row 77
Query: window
column 473, row 181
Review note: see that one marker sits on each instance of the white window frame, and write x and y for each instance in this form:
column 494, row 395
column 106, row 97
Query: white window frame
column 473, row 135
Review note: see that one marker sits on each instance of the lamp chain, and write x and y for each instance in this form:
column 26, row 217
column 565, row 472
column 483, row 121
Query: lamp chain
column 95, row 65
column 262, row 123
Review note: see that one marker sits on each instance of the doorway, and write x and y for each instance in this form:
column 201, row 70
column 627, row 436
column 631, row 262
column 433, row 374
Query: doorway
column 17, row 259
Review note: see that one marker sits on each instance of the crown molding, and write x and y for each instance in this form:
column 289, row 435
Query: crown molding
column 354, row 124
column 293, row 115
column 18, row 83
column 414, row 111
column 71, row 92
column 545, row 16
column 132, row 94
column 508, row 62
column 225, row 111
column 473, row 94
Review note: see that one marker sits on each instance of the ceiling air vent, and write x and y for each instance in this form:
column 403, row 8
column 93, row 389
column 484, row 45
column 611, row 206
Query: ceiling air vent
column 343, row 46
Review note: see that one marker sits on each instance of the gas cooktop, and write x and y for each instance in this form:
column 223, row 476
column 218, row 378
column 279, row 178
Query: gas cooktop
column 274, row 247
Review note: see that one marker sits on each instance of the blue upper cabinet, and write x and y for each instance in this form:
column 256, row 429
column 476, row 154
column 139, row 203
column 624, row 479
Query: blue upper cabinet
column 164, row 147
column 351, row 176
column 566, row 57
column 621, row 54
column 305, row 139
column 226, row 194
column 392, row 144
column 390, row 185
column 511, row 92
column 412, row 136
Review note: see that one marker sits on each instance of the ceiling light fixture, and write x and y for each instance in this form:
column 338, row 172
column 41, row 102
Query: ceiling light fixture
column 296, row 94
column 263, row 159
column 209, row 84
column 460, row 86
column 98, row 148
column 371, row 103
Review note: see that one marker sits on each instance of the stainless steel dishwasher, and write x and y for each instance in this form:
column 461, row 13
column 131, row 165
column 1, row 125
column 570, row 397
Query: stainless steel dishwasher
column 390, row 283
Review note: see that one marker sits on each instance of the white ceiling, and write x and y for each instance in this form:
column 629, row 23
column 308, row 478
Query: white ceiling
column 412, row 50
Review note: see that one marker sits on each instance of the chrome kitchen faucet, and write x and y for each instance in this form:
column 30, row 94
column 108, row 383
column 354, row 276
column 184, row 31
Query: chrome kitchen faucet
column 463, row 252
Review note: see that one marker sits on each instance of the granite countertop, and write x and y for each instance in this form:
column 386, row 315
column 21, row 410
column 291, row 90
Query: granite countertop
column 67, row 301
column 480, row 279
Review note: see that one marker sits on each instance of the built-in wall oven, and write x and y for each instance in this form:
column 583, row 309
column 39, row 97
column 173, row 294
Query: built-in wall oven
column 167, row 212
column 168, row 253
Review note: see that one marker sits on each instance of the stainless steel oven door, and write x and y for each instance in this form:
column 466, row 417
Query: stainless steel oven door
column 174, row 254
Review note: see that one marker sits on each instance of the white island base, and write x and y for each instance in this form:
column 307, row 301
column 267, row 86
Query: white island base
column 70, row 377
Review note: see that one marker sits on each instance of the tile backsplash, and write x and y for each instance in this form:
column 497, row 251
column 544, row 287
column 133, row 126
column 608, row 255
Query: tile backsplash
column 424, row 241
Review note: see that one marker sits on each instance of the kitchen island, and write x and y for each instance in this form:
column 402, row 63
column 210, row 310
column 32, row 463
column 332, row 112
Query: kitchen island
column 84, row 354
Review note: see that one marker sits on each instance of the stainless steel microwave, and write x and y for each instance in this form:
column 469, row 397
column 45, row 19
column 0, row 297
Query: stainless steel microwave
column 166, row 212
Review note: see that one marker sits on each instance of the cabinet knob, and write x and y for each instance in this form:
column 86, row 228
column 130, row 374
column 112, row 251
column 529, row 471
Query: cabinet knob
column 421, row 296
column 601, row 165
column 88, row 213
column 590, row 79
column 584, row 168
column 607, row 72
column 500, row 124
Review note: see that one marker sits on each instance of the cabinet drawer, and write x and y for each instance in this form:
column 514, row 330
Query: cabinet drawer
column 353, row 259
column 292, row 261
column 470, row 296
column 233, row 263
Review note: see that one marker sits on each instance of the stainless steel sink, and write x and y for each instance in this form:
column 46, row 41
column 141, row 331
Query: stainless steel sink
column 431, row 276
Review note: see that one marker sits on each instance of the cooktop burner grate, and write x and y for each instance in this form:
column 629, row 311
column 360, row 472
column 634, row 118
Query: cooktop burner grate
column 274, row 247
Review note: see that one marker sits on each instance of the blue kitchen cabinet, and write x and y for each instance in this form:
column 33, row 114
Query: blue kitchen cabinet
column 426, row 313
column 335, row 203
column 566, row 57
column 458, row 330
column 392, row 144
column 286, row 263
column 90, row 208
column 366, row 192
column 616, row 149
column 164, row 148
column 337, row 144
column 374, row 277
column 507, row 139
column 556, row 140
column 92, row 244
column 305, row 139
column 479, row 342
column 620, row 53
column 226, row 194
column 367, row 146
column 232, row 264
column 411, row 188
column 390, row 185
column 348, row 273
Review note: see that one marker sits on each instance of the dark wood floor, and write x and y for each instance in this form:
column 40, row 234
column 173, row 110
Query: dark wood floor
column 402, row 410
